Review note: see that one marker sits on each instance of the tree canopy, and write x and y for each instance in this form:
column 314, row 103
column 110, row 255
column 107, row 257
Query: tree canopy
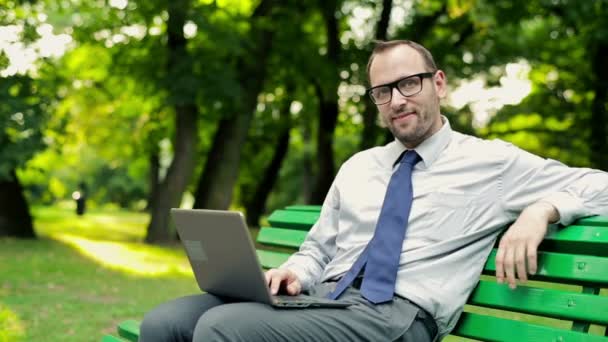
column 254, row 104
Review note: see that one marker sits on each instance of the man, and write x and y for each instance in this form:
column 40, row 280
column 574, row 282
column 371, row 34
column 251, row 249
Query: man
column 405, row 228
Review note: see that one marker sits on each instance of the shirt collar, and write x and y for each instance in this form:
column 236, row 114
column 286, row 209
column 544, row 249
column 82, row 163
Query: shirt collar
column 428, row 150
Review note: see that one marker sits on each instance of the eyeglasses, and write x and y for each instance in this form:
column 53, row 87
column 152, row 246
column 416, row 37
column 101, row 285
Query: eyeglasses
column 408, row 86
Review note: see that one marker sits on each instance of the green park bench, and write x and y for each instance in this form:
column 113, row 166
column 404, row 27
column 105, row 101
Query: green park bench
column 562, row 302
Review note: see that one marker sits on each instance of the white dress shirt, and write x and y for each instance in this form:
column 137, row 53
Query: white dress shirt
column 466, row 190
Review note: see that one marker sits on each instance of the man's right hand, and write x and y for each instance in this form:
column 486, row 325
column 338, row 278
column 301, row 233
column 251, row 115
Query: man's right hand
column 283, row 279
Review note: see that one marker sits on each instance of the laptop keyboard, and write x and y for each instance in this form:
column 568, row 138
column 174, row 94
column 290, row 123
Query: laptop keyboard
column 304, row 301
column 295, row 299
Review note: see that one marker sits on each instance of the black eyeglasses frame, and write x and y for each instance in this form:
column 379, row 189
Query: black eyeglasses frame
column 394, row 84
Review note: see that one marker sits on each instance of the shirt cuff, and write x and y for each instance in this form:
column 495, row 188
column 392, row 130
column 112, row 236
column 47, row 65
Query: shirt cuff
column 568, row 206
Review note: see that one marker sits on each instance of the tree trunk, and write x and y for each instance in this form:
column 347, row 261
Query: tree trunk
column 599, row 113
column 328, row 105
column 186, row 133
column 15, row 218
column 371, row 130
column 256, row 204
column 307, row 161
column 325, row 153
column 178, row 175
column 216, row 184
column 153, row 178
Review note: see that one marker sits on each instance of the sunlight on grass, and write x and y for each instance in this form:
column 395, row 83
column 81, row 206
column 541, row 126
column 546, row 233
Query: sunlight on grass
column 111, row 225
column 132, row 258
column 11, row 328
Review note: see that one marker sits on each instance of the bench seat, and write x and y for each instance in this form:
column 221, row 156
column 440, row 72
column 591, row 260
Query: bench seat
column 567, row 300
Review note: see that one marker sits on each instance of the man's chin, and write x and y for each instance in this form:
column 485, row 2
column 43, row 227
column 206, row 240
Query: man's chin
column 402, row 134
column 407, row 138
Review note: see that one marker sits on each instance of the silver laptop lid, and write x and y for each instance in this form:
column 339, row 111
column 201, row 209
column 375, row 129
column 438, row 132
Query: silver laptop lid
column 221, row 253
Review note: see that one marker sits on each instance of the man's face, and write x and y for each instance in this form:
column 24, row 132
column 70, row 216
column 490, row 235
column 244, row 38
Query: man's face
column 415, row 118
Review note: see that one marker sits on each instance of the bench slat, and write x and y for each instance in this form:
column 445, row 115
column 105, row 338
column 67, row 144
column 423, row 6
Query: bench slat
column 545, row 302
column 110, row 338
column 281, row 237
column 490, row 328
column 316, row 208
column 601, row 221
column 569, row 268
column 271, row 259
column 294, row 219
column 129, row 330
column 557, row 266
column 591, row 240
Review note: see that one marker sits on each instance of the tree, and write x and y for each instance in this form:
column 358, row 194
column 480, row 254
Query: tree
column 170, row 190
column 565, row 115
column 327, row 94
column 216, row 183
column 255, row 201
column 25, row 101
column 22, row 116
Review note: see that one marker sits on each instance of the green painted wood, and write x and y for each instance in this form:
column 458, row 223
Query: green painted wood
column 294, row 219
column 110, row 338
column 544, row 302
column 591, row 234
column 129, row 330
column 271, row 259
column 601, row 221
column 577, row 239
column 490, row 328
column 583, row 326
column 569, row 268
column 316, row 208
column 281, row 237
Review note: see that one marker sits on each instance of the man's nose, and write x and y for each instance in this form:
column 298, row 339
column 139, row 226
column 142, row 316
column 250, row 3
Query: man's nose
column 397, row 99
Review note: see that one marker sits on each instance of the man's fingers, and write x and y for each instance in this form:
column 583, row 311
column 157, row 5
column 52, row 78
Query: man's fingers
column 268, row 276
column 509, row 265
column 275, row 284
column 500, row 258
column 532, row 259
column 294, row 288
column 520, row 261
column 277, row 278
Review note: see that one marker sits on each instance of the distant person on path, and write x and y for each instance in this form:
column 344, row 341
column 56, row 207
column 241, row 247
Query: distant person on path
column 80, row 196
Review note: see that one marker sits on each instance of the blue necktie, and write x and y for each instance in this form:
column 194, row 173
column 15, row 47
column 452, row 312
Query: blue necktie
column 381, row 255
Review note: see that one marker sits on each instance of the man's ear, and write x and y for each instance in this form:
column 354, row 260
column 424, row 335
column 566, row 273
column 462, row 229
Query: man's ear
column 440, row 82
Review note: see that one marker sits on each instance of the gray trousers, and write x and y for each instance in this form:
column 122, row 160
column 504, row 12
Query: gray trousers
column 205, row 317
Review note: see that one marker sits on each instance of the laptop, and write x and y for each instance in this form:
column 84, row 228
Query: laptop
column 224, row 261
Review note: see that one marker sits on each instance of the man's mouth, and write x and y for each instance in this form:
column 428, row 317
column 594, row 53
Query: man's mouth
column 401, row 116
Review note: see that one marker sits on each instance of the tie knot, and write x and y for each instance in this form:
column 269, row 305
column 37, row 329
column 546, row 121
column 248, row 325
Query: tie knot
column 411, row 158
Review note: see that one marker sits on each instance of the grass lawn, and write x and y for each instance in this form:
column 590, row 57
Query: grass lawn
column 84, row 275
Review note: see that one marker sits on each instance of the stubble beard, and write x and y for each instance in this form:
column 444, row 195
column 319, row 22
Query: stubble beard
column 411, row 136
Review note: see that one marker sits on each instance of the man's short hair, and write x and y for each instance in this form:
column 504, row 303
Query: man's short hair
column 382, row 46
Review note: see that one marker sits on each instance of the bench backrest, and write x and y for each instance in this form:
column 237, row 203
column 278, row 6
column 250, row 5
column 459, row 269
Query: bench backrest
column 567, row 299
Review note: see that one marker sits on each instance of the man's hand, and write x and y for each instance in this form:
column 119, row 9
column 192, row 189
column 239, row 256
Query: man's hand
column 283, row 279
column 519, row 244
